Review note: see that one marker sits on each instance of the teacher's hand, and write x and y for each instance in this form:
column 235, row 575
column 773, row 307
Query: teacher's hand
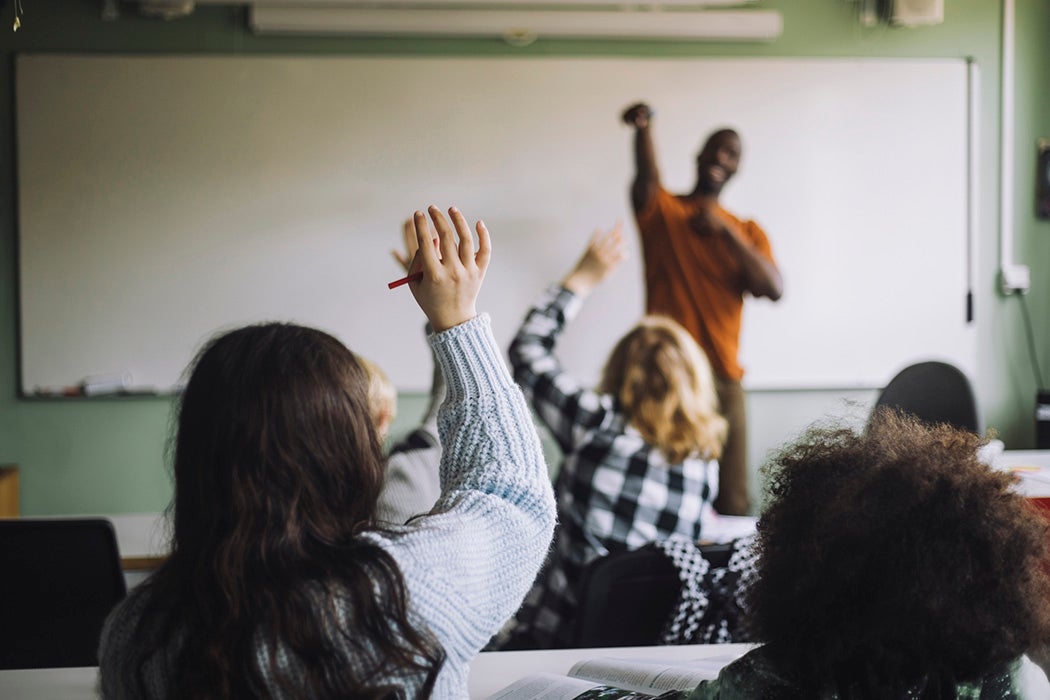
column 638, row 115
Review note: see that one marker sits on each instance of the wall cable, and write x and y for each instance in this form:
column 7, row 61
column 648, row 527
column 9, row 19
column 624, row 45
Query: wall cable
column 1031, row 343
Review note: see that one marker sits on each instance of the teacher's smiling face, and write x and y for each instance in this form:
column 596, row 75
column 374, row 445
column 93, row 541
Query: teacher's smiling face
column 718, row 161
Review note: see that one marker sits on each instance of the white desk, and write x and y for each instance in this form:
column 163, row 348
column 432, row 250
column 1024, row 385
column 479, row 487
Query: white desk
column 49, row 684
column 1032, row 467
column 490, row 672
column 142, row 539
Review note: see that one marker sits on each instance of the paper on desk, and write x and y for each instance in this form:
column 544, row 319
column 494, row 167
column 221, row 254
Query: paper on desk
column 720, row 529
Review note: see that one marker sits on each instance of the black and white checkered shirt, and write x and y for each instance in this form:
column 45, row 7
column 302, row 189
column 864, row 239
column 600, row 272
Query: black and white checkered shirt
column 614, row 490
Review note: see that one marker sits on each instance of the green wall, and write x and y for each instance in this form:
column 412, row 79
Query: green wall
column 107, row 455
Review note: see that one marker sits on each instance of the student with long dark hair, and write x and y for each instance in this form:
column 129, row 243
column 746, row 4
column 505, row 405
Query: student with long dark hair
column 280, row 583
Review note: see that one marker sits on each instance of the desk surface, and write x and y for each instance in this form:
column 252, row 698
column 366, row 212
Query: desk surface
column 49, row 684
column 490, row 671
column 1032, row 468
column 141, row 534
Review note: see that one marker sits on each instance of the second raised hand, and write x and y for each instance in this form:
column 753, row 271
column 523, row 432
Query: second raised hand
column 604, row 253
column 408, row 234
column 452, row 271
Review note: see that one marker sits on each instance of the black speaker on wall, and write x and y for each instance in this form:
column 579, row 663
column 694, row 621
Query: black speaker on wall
column 1042, row 419
column 1042, row 179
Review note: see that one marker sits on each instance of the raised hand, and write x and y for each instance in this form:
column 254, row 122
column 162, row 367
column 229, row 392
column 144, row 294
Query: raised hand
column 638, row 115
column 604, row 253
column 452, row 270
column 408, row 234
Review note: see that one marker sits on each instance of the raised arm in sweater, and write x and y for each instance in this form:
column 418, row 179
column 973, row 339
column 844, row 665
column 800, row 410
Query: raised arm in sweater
column 468, row 565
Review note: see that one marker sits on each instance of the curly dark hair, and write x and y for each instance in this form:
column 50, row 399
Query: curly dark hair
column 893, row 558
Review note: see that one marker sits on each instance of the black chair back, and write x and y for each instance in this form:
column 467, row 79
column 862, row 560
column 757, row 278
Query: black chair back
column 934, row 392
column 625, row 598
column 59, row 578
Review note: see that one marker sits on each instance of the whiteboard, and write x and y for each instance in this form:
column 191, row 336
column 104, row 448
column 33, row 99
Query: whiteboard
column 162, row 198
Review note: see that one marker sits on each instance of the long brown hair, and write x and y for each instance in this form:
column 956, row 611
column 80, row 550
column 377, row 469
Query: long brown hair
column 277, row 470
column 663, row 382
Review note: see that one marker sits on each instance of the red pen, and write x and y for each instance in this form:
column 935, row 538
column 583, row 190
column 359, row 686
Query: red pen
column 415, row 276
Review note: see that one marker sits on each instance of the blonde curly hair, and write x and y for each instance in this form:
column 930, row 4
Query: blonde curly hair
column 664, row 385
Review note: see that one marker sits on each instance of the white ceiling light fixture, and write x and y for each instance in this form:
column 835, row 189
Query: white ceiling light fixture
column 520, row 26
column 604, row 5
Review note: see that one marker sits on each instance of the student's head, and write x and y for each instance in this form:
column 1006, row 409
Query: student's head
column 718, row 161
column 894, row 556
column 276, row 437
column 664, row 386
column 382, row 397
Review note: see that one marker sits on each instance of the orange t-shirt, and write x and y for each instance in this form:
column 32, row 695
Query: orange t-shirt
column 696, row 279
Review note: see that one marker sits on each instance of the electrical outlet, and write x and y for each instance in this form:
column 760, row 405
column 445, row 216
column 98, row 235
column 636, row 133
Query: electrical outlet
column 1015, row 279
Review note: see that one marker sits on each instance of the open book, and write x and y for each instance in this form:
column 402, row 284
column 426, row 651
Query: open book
column 618, row 679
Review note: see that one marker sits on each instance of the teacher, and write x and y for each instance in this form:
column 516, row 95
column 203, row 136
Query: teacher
column 700, row 261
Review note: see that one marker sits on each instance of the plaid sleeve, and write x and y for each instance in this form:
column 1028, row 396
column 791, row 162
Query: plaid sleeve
column 568, row 410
